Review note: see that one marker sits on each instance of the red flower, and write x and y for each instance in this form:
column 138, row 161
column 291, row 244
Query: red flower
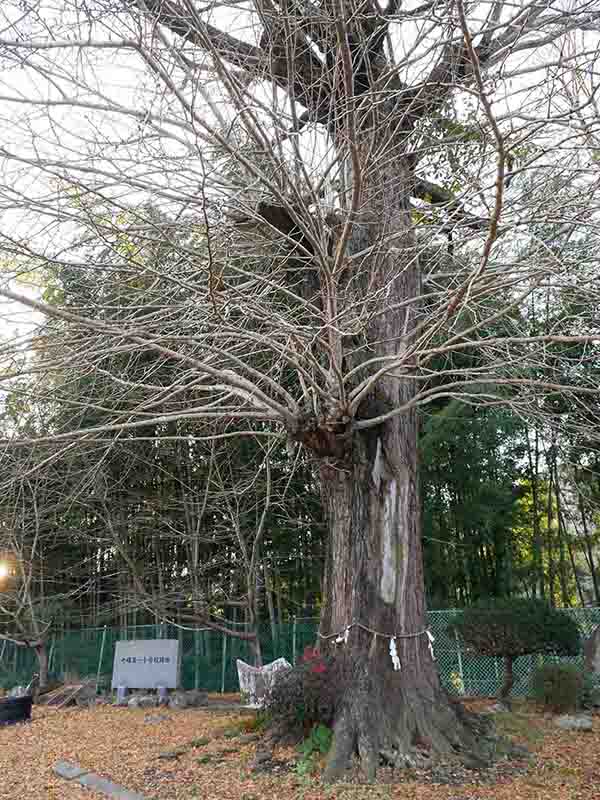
column 312, row 658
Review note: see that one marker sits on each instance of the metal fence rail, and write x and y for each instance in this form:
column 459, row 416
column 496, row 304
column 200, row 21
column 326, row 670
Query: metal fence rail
column 208, row 657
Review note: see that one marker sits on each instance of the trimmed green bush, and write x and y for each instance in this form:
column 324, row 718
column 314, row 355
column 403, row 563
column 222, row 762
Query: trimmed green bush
column 590, row 690
column 513, row 627
column 558, row 686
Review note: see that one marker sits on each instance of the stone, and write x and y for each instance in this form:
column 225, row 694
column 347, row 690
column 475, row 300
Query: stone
column 173, row 754
column 68, row 770
column 179, row 700
column 591, row 649
column 263, row 761
column 569, row 722
column 73, row 772
column 154, row 718
column 256, row 682
column 143, row 701
column 261, row 758
column 86, row 697
column 196, row 698
column 473, row 762
column 190, row 699
column 104, row 786
column 246, row 738
column 519, row 751
column 497, row 708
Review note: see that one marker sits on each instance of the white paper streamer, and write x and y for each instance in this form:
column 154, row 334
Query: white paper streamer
column 431, row 638
column 394, row 655
column 343, row 637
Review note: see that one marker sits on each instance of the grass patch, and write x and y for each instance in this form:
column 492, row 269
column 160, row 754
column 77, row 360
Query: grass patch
column 201, row 742
column 255, row 724
column 519, row 726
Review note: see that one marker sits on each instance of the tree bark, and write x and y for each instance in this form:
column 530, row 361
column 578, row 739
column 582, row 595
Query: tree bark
column 509, row 678
column 369, row 483
column 41, row 652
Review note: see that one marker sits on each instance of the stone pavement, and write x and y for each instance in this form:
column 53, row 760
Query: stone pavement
column 73, row 772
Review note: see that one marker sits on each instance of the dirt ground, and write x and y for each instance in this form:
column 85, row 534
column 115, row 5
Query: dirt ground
column 214, row 762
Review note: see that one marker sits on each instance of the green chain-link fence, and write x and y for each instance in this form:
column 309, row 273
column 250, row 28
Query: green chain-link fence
column 208, row 657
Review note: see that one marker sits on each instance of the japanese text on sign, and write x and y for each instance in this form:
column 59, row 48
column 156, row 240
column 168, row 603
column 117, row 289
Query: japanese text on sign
column 146, row 664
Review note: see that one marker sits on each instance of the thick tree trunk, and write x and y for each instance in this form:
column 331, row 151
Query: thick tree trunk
column 369, row 482
column 374, row 583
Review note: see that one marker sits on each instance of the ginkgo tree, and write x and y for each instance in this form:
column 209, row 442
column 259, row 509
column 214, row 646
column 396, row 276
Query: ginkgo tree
column 380, row 190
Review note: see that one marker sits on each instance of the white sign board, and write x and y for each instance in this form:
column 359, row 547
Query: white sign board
column 146, row 664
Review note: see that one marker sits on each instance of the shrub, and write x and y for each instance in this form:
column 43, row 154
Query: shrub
column 513, row 627
column 558, row 686
column 306, row 695
column 255, row 724
column 317, row 743
column 590, row 690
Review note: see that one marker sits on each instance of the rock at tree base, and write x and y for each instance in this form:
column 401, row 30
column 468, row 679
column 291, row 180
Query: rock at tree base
column 497, row 708
column 572, row 723
column 190, row 699
column 86, row 696
column 260, row 760
column 255, row 682
column 143, row 701
column 155, row 718
column 591, row 649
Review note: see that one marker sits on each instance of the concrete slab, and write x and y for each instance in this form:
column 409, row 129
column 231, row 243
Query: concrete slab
column 73, row 772
column 108, row 788
column 68, row 770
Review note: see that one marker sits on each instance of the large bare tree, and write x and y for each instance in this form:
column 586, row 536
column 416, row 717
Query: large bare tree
column 386, row 196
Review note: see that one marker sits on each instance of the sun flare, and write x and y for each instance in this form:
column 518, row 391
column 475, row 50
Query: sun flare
column 3, row 571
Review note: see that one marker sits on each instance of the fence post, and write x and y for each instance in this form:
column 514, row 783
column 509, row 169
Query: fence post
column 100, row 659
column 294, row 643
column 223, row 664
column 196, row 660
column 460, row 662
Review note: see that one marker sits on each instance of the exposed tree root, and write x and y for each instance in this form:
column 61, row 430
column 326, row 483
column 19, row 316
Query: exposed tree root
column 406, row 730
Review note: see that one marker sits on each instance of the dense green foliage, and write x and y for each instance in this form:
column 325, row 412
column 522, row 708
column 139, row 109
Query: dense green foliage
column 470, row 472
column 518, row 626
column 557, row 686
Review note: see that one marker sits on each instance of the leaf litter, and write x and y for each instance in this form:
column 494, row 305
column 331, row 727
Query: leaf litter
column 125, row 745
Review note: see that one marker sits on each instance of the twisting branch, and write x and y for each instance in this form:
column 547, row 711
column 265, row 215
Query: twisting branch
column 500, row 166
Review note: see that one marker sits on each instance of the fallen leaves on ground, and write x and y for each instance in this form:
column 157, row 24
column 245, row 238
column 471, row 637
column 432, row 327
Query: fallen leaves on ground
column 182, row 755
